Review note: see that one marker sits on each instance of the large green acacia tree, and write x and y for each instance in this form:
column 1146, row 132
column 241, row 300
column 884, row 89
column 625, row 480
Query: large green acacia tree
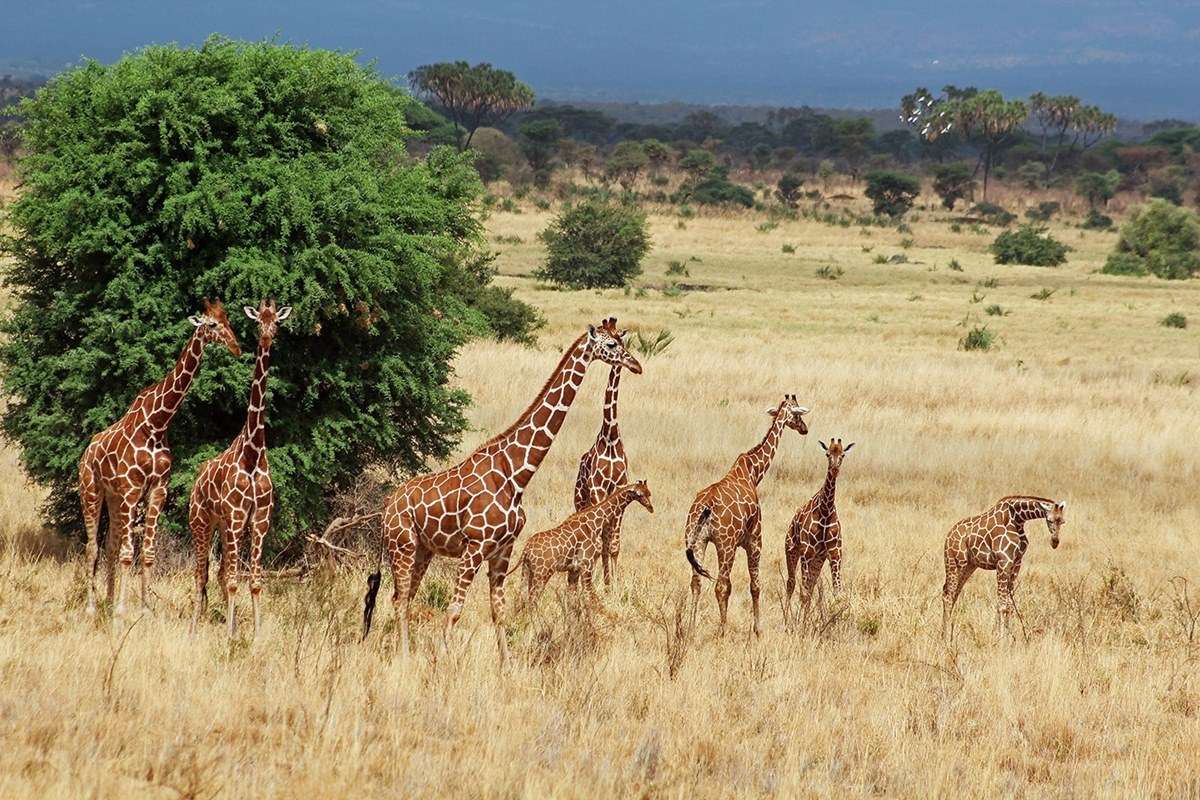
column 237, row 171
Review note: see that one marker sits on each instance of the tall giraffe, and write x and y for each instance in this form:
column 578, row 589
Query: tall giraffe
column 234, row 489
column 816, row 534
column 472, row 511
column 604, row 467
column 130, row 460
column 995, row 540
column 728, row 515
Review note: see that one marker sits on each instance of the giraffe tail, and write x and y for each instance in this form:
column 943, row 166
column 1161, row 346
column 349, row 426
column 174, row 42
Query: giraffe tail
column 373, row 581
column 693, row 538
column 520, row 563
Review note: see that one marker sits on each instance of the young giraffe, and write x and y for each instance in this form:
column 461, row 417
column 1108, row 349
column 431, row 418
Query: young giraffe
column 472, row 511
column 604, row 467
column 234, row 489
column 728, row 515
column 131, row 459
column 575, row 544
column 995, row 540
column 816, row 534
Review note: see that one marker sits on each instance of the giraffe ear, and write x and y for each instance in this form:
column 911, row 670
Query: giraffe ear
column 196, row 320
column 847, row 450
column 284, row 313
column 1047, row 507
column 772, row 411
column 592, row 331
column 823, row 447
column 251, row 312
column 1062, row 505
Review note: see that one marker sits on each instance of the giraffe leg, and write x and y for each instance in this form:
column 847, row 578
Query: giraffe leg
column 791, row 556
column 724, row 585
column 497, row 571
column 753, row 552
column 835, row 568
column 201, row 526
column 956, row 577
column 472, row 560
column 1006, row 581
column 404, row 554
column 587, row 596
column 121, row 527
column 702, row 545
column 810, row 568
column 614, row 551
column 259, row 525
column 235, row 525
column 537, row 583
column 156, row 498
column 91, row 501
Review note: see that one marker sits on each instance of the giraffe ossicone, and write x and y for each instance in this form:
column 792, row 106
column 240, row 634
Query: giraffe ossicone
column 131, row 460
column 472, row 510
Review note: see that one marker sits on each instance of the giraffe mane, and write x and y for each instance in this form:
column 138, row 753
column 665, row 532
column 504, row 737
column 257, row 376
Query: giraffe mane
column 537, row 399
column 1027, row 497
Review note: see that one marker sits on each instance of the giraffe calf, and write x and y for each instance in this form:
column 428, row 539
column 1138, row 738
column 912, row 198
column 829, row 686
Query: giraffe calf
column 574, row 546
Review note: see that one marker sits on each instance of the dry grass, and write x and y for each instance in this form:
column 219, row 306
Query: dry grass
column 1087, row 398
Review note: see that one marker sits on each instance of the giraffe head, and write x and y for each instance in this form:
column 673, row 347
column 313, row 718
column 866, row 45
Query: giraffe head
column 835, row 453
column 268, row 318
column 212, row 325
column 792, row 414
column 607, row 343
column 640, row 492
column 1055, row 518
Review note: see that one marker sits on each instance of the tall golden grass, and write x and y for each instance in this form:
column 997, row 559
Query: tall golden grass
column 1085, row 398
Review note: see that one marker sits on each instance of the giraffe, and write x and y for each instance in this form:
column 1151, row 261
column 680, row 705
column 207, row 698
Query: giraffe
column 604, row 467
column 816, row 534
column 233, row 491
column 575, row 544
column 131, row 460
column 728, row 515
column 472, row 511
column 995, row 540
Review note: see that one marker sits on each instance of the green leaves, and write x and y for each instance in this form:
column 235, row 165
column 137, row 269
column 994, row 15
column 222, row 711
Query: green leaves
column 238, row 171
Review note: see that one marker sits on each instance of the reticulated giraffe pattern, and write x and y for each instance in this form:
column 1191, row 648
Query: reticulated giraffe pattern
column 995, row 540
column 727, row 513
column 472, row 511
column 604, row 467
column 131, row 460
column 233, row 492
column 815, row 535
column 575, row 544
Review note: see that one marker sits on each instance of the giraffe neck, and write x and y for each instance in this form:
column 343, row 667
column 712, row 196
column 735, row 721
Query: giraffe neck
column 1024, row 509
column 756, row 461
column 167, row 395
column 255, row 431
column 613, row 506
column 609, row 432
column 825, row 499
column 528, row 440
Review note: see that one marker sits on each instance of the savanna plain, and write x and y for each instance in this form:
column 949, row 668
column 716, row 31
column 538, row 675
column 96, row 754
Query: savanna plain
column 1083, row 396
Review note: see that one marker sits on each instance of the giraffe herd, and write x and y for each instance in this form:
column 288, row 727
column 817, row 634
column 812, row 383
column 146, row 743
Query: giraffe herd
column 473, row 512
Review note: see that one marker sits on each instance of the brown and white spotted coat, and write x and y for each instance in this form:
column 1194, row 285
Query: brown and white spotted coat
column 816, row 534
column 727, row 513
column 604, row 467
column 575, row 544
column 233, row 491
column 995, row 540
column 131, row 460
column 472, row 511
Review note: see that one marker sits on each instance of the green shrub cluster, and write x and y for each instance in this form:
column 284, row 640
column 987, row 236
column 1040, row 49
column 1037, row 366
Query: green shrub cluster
column 594, row 244
column 1159, row 239
column 1029, row 244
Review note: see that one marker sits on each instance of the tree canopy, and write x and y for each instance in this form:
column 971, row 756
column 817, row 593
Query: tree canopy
column 472, row 95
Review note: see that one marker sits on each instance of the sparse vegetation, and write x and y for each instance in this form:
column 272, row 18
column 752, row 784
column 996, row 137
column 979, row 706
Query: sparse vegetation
column 830, row 272
column 978, row 338
column 1174, row 320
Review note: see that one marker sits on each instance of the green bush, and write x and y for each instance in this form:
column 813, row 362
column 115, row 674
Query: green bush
column 1095, row 221
column 892, row 193
column 1044, row 210
column 993, row 214
column 240, row 171
column 717, row 189
column 1029, row 244
column 953, row 182
column 978, row 338
column 1164, row 238
column 595, row 244
column 1124, row 264
column 1175, row 320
